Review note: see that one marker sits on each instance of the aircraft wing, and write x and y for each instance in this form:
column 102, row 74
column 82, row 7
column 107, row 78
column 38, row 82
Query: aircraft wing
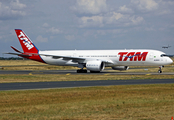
column 76, row 59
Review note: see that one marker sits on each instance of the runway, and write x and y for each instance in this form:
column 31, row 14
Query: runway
column 74, row 72
column 73, row 84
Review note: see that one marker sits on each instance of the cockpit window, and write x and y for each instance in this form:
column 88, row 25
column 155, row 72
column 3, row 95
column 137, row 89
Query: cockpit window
column 162, row 55
column 165, row 55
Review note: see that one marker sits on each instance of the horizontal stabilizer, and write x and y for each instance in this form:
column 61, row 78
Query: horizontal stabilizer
column 22, row 55
column 16, row 49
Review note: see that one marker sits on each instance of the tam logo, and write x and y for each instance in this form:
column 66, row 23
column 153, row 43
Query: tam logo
column 133, row 56
column 26, row 42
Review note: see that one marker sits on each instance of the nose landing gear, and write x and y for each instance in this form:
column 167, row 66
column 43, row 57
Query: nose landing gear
column 160, row 69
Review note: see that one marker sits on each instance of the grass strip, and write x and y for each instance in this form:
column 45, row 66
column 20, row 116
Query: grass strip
column 132, row 102
column 70, row 77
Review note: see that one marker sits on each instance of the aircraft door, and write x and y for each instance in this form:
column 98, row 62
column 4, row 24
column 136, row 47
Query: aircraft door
column 75, row 55
column 151, row 56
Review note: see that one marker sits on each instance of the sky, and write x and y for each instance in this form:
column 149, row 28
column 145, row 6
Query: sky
column 88, row 24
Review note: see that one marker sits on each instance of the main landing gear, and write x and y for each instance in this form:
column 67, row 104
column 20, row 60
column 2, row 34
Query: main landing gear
column 160, row 69
column 81, row 71
column 94, row 71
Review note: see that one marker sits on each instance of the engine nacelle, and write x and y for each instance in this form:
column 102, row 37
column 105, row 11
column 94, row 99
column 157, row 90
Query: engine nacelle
column 95, row 66
column 120, row 68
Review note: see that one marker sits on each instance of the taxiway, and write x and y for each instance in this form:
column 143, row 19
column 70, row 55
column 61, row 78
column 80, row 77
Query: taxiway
column 73, row 84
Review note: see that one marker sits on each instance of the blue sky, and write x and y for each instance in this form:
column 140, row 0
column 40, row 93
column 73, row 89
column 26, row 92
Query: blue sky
column 88, row 24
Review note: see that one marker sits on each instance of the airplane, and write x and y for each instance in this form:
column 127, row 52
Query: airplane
column 166, row 46
column 93, row 60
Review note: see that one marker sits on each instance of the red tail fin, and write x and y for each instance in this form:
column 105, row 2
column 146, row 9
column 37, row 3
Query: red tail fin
column 28, row 47
column 26, row 43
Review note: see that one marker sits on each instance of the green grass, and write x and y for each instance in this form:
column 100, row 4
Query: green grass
column 30, row 65
column 127, row 102
column 69, row 77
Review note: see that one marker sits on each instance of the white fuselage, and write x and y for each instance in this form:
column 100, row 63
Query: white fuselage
column 93, row 60
column 135, row 57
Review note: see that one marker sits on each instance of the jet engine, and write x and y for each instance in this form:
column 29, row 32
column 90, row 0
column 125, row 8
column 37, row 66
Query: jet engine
column 95, row 66
column 120, row 68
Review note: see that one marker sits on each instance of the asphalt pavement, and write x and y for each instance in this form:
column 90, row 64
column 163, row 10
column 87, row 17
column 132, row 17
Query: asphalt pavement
column 73, row 84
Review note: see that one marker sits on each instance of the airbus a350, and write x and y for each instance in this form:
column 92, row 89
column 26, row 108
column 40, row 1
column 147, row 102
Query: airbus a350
column 92, row 60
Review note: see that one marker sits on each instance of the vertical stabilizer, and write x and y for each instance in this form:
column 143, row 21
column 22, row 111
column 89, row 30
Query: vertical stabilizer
column 30, row 50
column 26, row 43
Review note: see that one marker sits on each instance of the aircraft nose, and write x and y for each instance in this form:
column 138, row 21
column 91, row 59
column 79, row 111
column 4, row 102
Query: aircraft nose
column 169, row 60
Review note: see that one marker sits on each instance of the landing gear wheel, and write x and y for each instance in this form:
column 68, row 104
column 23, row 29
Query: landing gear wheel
column 160, row 69
column 81, row 71
column 94, row 71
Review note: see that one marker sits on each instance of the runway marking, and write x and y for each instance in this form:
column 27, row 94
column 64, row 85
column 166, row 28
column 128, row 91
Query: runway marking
column 106, row 74
column 148, row 74
column 30, row 74
column 68, row 74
